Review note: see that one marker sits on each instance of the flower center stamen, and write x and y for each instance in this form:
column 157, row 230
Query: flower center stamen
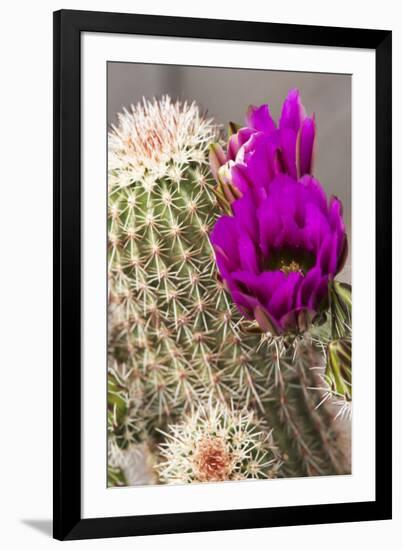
column 292, row 267
column 212, row 461
column 289, row 260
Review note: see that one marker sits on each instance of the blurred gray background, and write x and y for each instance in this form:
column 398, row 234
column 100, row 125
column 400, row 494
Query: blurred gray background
column 225, row 94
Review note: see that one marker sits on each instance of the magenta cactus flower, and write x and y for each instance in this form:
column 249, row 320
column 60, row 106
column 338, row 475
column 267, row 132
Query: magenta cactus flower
column 260, row 151
column 280, row 249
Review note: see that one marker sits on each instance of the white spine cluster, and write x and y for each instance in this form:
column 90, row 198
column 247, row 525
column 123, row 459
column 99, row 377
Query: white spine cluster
column 157, row 139
column 217, row 443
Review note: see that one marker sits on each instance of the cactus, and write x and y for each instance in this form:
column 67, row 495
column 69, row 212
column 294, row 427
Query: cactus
column 176, row 341
column 217, row 443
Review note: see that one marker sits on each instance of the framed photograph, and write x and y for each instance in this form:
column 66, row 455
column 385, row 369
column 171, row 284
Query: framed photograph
column 220, row 187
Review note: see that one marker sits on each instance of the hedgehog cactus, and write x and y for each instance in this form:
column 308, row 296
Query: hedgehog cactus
column 176, row 339
column 173, row 332
column 217, row 443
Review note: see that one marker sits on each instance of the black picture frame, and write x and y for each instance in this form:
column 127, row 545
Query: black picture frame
column 68, row 26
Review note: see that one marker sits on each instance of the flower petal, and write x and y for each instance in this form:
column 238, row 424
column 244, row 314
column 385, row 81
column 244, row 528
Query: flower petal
column 307, row 288
column 245, row 303
column 270, row 225
column 293, row 112
column 261, row 286
column 327, row 257
column 240, row 177
column 287, row 140
column 283, row 298
column 248, row 256
column 217, row 158
column 306, row 143
column 256, row 155
column 224, row 240
column 316, row 193
column 266, row 322
column 335, row 216
column 238, row 140
column 242, row 210
column 260, row 119
column 316, row 227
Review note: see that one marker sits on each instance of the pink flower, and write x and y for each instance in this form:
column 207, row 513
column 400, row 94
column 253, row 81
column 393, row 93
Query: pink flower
column 260, row 151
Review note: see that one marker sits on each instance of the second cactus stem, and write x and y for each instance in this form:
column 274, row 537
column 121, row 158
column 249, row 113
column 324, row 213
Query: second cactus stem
column 304, row 424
